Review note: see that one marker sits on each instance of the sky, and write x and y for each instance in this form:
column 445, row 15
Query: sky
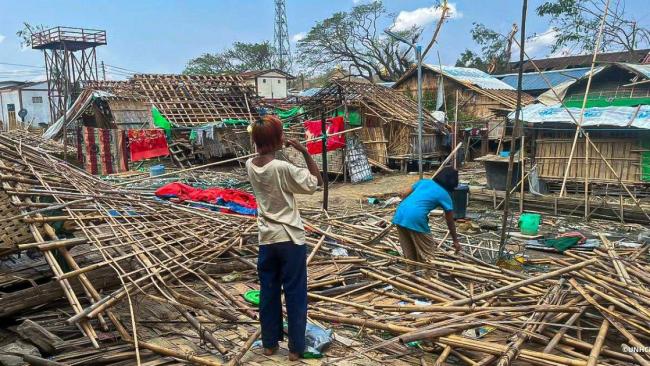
column 148, row 36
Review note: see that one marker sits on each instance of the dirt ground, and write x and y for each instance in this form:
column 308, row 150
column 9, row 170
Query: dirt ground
column 345, row 195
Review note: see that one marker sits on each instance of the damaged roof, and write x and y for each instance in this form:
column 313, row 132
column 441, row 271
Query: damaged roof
column 571, row 62
column 478, row 81
column 538, row 81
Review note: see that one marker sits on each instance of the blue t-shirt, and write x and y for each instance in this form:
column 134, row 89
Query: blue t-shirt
column 413, row 212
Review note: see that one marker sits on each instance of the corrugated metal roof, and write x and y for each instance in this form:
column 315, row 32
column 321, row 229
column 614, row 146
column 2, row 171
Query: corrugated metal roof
column 309, row 92
column 562, row 63
column 535, row 81
column 638, row 117
column 473, row 76
column 641, row 69
column 387, row 84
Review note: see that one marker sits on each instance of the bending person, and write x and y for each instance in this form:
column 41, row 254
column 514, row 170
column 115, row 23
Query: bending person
column 412, row 215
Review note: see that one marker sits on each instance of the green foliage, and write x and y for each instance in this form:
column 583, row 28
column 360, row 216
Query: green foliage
column 470, row 59
column 25, row 34
column 576, row 23
column 429, row 100
column 241, row 57
column 355, row 41
column 493, row 48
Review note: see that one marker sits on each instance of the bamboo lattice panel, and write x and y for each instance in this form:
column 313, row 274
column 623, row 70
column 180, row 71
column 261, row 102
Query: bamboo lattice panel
column 387, row 104
column 552, row 156
column 375, row 144
column 189, row 100
column 12, row 232
column 334, row 160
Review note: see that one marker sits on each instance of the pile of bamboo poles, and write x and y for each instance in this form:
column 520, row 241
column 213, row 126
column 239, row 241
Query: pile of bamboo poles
column 582, row 309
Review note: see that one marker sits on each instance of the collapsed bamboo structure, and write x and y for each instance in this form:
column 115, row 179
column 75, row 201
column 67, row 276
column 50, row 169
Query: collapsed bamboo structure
column 151, row 274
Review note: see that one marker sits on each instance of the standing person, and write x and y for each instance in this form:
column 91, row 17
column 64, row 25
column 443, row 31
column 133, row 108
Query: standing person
column 412, row 214
column 282, row 254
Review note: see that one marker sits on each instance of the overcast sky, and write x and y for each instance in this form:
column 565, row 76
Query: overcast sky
column 161, row 36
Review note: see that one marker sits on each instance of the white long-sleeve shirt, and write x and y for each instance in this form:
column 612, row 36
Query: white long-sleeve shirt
column 274, row 185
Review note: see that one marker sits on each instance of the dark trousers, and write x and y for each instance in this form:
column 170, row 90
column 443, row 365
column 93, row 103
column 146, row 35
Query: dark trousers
column 283, row 265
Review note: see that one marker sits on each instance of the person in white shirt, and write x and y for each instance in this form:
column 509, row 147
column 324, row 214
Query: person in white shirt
column 282, row 254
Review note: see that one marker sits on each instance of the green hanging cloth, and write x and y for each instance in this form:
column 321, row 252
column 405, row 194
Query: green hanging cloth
column 235, row 122
column 645, row 159
column 288, row 113
column 161, row 122
column 353, row 114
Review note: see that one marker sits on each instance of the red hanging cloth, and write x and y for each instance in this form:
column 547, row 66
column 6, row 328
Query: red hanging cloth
column 146, row 144
column 313, row 129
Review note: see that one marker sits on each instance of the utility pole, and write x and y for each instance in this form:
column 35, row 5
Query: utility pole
column 323, row 124
column 103, row 71
column 418, row 54
column 515, row 133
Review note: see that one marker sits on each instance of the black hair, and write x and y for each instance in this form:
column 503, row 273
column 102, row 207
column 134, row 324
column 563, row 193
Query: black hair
column 447, row 178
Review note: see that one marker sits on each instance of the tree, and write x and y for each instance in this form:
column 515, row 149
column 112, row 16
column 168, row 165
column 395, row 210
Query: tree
column 470, row 59
column 241, row 57
column 576, row 23
column 25, row 34
column 495, row 49
column 355, row 41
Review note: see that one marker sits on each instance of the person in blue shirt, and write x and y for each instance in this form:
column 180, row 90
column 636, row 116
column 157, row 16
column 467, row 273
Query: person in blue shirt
column 412, row 215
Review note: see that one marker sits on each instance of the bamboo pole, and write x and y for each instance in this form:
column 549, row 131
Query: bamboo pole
column 521, row 283
column 586, row 172
column 444, row 162
column 249, row 343
column 584, row 99
column 522, row 163
column 455, row 142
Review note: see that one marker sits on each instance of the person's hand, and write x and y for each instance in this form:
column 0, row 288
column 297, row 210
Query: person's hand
column 296, row 145
column 457, row 247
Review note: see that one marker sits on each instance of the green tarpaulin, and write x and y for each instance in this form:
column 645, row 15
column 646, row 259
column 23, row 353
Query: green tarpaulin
column 355, row 116
column 288, row 113
column 235, row 122
column 608, row 102
column 562, row 244
column 159, row 120
column 645, row 160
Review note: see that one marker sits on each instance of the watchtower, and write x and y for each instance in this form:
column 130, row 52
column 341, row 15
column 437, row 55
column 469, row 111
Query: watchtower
column 70, row 58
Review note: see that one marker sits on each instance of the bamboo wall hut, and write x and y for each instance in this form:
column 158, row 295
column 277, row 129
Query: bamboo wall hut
column 616, row 119
column 219, row 107
column 483, row 100
column 388, row 119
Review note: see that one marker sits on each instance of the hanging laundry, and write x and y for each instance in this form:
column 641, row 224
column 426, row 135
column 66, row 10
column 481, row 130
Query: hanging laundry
column 103, row 151
column 233, row 200
column 146, row 144
column 313, row 130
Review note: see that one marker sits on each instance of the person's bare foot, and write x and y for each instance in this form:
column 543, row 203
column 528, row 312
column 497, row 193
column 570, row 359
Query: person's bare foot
column 294, row 356
column 270, row 351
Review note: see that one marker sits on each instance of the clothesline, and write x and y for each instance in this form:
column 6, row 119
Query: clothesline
column 196, row 167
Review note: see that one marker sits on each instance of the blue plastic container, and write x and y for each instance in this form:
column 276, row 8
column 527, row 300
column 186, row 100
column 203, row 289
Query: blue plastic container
column 157, row 170
column 504, row 154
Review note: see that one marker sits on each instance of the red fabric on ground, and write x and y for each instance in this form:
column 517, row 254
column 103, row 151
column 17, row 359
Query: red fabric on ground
column 146, row 144
column 210, row 195
column 313, row 130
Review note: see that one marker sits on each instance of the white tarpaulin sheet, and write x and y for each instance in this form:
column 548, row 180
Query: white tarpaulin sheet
column 73, row 112
column 638, row 117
